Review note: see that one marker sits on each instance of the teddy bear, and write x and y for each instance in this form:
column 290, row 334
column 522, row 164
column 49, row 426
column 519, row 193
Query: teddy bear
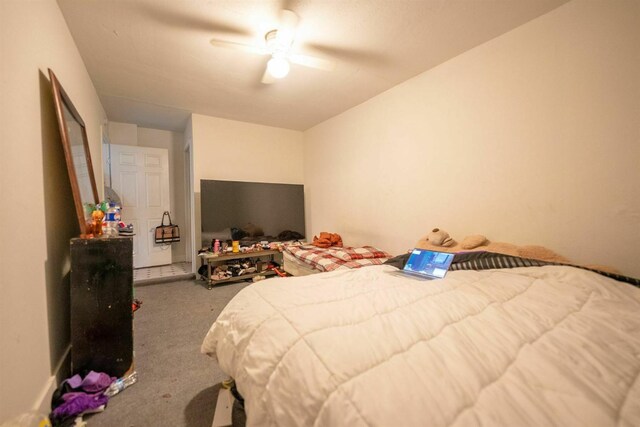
column 439, row 237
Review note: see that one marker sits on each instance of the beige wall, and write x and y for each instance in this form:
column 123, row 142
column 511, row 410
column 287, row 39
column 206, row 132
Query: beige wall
column 237, row 151
column 531, row 138
column 123, row 133
column 37, row 216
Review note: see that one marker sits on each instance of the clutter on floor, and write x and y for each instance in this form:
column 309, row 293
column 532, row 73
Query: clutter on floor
column 78, row 396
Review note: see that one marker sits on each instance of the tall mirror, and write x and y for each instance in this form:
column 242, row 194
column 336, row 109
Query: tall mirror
column 76, row 151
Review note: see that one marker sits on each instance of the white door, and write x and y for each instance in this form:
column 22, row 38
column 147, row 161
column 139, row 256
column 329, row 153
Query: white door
column 140, row 175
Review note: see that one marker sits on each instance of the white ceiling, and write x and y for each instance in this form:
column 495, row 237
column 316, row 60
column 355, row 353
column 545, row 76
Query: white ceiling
column 152, row 64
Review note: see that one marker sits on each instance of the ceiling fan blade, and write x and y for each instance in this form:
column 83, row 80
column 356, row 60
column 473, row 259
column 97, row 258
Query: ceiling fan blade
column 267, row 78
column 313, row 62
column 240, row 46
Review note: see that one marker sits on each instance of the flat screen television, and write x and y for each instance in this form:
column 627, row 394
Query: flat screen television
column 232, row 204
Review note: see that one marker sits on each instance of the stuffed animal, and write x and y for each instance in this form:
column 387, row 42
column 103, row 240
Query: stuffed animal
column 473, row 241
column 326, row 240
column 439, row 237
column 439, row 240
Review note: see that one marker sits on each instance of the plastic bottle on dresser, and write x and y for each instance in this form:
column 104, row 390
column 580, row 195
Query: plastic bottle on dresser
column 120, row 384
column 112, row 220
column 216, row 246
column 118, row 216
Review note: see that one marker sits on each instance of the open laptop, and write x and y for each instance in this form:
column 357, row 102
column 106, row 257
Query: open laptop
column 426, row 265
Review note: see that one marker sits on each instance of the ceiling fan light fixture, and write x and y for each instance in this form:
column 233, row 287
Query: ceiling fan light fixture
column 278, row 67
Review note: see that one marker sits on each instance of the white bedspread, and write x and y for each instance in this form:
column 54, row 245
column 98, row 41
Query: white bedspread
column 539, row 346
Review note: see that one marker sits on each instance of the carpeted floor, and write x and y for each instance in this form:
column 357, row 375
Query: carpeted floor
column 177, row 385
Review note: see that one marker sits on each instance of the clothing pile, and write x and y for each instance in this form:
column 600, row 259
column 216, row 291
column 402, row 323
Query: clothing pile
column 326, row 240
column 289, row 235
column 77, row 396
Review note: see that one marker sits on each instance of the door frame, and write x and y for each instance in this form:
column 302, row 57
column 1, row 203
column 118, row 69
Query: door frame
column 190, row 214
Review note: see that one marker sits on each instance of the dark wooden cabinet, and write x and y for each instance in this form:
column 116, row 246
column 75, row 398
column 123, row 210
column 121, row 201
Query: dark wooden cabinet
column 101, row 297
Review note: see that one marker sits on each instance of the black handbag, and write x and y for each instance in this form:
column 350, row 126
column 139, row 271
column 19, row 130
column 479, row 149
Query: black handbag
column 167, row 233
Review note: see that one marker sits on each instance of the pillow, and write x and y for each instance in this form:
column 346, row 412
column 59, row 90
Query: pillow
column 473, row 241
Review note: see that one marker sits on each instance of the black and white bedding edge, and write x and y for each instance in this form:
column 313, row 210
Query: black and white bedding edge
column 492, row 260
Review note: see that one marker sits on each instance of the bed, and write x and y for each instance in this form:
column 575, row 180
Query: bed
column 302, row 260
column 296, row 267
column 544, row 345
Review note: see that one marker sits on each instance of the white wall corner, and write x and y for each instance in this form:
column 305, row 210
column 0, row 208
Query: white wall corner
column 42, row 403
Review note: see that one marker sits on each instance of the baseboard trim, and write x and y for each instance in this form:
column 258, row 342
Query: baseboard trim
column 156, row 280
column 42, row 404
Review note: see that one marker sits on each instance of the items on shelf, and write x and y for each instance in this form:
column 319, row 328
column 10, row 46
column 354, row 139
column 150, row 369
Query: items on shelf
column 220, row 263
column 236, row 269
column 224, row 248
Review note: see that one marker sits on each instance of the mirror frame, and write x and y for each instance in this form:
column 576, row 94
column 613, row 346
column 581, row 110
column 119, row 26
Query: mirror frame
column 59, row 97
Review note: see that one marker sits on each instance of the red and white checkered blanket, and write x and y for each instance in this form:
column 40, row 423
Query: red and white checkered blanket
column 335, row 258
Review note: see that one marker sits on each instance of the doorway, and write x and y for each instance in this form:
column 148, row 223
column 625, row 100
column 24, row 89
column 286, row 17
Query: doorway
column 140, row 175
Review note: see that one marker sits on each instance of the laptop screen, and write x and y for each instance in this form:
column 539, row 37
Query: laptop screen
column 430, row 263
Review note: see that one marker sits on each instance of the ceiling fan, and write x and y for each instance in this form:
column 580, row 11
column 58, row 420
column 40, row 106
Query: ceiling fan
column 278, row 43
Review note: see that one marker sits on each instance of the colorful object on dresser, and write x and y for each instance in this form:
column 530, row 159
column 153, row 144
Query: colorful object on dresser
column 327, row 240
column 96, row 223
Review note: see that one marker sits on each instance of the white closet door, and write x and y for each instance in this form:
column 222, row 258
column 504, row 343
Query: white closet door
column 140, row 175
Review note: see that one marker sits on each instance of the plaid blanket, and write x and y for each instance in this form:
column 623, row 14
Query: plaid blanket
column 352, row 254
column 334, row 258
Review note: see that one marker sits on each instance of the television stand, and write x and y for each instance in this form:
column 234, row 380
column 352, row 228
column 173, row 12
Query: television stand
column 212, row 260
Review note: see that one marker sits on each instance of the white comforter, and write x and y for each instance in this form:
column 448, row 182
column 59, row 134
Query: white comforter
column 536, row 346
